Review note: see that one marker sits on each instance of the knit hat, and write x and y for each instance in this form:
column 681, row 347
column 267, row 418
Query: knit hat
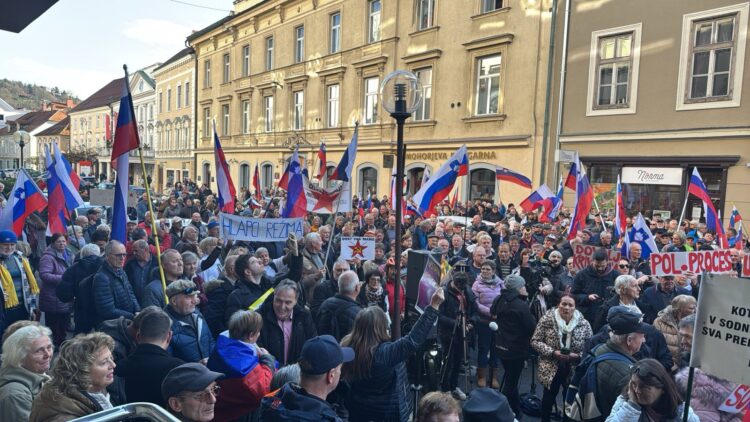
column 514, row 282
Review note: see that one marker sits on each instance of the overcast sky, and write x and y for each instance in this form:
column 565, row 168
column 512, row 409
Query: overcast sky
column 81, row 45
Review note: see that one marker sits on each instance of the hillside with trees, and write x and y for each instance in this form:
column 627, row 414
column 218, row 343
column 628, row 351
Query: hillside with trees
column 30, row 96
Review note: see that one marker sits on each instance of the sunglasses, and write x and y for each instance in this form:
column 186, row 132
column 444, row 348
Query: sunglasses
column 623, row 266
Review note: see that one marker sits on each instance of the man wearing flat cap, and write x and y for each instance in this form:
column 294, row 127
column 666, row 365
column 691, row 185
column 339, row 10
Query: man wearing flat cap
column 191, row 339
column 190, row 391
column 320, row 370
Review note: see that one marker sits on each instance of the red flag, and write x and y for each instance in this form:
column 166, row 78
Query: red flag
column 323, row 161
column 256, row 183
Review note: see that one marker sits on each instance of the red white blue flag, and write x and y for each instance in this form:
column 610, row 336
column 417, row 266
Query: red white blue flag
column 442, row 181
column 323, row 160
column 713, row 222
column 256, row 183
column 508, row 175
column 584, row 198
column 126, row 140
column 620, row 216
column 343, row 171
column 24, row 199
column 56, row 211
column 541, row 197
column 296, row 199
column 224, row 185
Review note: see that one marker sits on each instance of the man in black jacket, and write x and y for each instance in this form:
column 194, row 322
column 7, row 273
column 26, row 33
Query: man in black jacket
column 593, row 285
column 286, row 325
column 145, row 369
column 140, row 268
column 218, row 292
column 68, row 289
column 113, row 295
column 336, row 315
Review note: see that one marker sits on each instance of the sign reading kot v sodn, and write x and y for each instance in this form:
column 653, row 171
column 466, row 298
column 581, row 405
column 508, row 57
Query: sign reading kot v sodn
column 235, row 227
column 714, row 262
column 721, row 341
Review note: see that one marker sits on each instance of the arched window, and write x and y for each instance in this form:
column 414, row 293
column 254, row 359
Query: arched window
column 368, row 181
column 266, row 176
column 244, row 175
column 329, row 172
column 414, row 178
column 207, row 173
column 482, row 184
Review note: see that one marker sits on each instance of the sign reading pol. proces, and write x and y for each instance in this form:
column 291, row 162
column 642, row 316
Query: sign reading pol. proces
column 235, row 227
column 676, row 263
column 583, row 256
column 721, row 341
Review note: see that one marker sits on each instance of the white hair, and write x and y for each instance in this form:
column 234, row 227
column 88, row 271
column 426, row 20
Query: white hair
column 622, row 282
column 18, row 344
column 90, row 249
column 348, row 281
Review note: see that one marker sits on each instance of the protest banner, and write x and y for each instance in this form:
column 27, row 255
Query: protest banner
column 583, row 255
column 737, row 401
column 106, row 197
column 428, row 283
column 746, row 265
column 721, row 340
column 235, row 227
column 358, row 247
column 676, row 263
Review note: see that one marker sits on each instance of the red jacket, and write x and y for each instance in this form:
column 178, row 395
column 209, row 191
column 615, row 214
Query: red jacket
column 389, row 287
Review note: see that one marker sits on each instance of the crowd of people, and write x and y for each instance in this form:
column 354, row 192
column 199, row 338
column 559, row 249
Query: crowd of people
column 289, row 331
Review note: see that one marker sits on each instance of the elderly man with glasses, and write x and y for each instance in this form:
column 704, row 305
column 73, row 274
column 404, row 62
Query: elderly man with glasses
column 113, row 293
column 190, row 391
column 192, row 340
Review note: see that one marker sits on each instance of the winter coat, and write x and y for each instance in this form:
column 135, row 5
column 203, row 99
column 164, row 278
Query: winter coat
column 52, row 266
column 191, row 341
column 324, row 290
column 153, row 294
column 143, row 372
column 485, row 294
column 515, row 325
column 709, row 392
column 390, row 291
column 292, row 403
column 385, row 396
column 84, row 313
column 247, row 377
column 245, row 294
column 218, row 292
column 611, row 377
column 654, row 301
column 667, row 323
column 113, row 295
column 336, row 316
column 51, row 405
column 655, row 346
column 140, row 275
column 588, row 282
column 627, row 411
column 546, row 340
column 601, row 316
column 18, row 387
column 272, row 337
column 449, row 312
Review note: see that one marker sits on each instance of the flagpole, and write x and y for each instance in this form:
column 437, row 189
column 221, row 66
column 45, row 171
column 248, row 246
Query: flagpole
column 335, row 213
column 150, row 206
column 684, row 205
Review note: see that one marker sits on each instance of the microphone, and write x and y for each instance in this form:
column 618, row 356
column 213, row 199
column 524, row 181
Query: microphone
column 493, row 326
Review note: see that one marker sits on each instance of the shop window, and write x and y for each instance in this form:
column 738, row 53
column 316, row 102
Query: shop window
column 482, row 184
column 368, row 182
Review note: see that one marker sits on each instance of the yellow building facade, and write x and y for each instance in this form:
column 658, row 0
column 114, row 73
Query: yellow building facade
column 279, row 74
column 174, row 130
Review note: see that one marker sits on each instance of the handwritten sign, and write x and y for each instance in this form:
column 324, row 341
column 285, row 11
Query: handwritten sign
column 235, row 227
column 583, row 255
column 676, row 263
column 357, row 247
column 721, row 341
column 738, row 400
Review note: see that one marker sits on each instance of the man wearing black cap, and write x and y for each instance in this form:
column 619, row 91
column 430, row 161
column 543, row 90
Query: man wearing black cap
column 594, row 284
column 627, row 334
column 190, row 391
column 320, row 370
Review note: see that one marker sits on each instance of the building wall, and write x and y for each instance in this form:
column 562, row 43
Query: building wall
column 658, row 128
column 459, row 36
column 174, row 129
column 88, row 133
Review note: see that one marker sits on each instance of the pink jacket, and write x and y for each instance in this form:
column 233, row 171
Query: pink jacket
column 486, row 294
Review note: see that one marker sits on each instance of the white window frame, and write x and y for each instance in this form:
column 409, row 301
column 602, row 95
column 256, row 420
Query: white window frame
column 179, row 96
column 738, row 60
column 207, row 73
column 370, row 104
column 244, row 175
column 374, row 21
column 333, row 104
column 269, row 53
column 593, row 84
column 169, row 104
column 187, row 94
column 299, row 43
column 226, row 75
column 268, row 113
column 335, row 37
column 206, row 122
column 484, row 3
column 225, row 122
column 425, row 8
column 298, row 111
column 479, row 78
column 246, row 60
column 266, row 175
column 245, row 117
column 419, row 114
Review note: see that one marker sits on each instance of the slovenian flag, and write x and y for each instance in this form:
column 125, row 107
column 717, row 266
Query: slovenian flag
column 442, row 181
column 224, row 184
column 640, row 233
column 24, row 199
column 541, row 197
column 343, row 171
column 126, row 140
column 620, row 216
column 713, row 222
column 56, row 210
column 508, row 175
column 296, row 199
column 584, row 198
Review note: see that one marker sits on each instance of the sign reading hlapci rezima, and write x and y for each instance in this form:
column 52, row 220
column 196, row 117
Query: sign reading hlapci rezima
column 235, row 227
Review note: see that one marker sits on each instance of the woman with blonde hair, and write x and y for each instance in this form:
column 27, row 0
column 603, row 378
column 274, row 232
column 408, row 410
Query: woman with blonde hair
column 79, row 382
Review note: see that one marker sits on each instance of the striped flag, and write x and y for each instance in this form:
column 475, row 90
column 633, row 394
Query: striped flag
column 126, row 140
column 225, row 187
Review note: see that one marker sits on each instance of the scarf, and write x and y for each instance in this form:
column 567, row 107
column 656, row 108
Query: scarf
column 9, row 289
column 374, row 296
column 565, row 329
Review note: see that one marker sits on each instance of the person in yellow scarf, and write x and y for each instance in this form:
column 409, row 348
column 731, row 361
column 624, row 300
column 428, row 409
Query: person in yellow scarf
column 20, row 291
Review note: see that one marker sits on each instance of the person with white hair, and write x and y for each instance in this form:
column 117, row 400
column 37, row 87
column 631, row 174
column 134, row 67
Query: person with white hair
column 313, row 263
column 627, row 293
column 337, row 313
column 27, row 355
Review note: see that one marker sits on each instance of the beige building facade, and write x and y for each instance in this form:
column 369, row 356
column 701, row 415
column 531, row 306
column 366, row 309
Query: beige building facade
column 174, row 124
column 282, row 73
column 654, row 90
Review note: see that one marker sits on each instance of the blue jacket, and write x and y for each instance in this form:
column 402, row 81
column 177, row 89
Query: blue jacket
column 153, row 294
column 139, row 276
column 292, row 403
column 113, row 295
column 192, row 341
column 654, row 301
column 385, row 395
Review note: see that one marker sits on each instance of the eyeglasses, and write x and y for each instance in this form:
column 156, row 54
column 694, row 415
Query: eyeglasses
column 623, row 266
column 119, row 255
column 205, row 395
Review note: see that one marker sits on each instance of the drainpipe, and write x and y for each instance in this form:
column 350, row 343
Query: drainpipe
column 548, row 92
column 195, row 110
column 563, row 74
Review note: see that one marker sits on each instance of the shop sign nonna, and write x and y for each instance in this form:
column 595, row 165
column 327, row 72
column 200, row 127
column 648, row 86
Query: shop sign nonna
column 652, row 175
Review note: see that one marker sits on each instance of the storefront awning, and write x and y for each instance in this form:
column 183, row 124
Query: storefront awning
column 18, row 14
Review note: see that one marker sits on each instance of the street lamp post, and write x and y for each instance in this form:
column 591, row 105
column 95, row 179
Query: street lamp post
column 22, row 137
column 400, row 95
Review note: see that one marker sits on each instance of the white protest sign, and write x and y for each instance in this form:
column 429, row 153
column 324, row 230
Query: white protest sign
column 676, row 263
column 583, row 255
column 721, row 341
column 737, row 401
column 235, row 227
column 358, row 247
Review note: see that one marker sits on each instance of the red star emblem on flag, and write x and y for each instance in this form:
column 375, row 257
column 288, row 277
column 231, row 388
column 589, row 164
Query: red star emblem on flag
column 358, row 249
column 324, row 199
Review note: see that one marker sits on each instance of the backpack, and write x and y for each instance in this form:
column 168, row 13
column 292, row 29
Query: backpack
column 581, row 402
